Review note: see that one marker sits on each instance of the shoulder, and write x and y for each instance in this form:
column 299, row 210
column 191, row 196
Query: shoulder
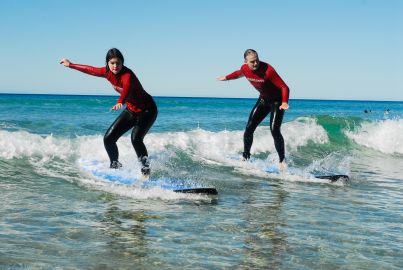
column 105, row 71
column 126, row 72
column 128, row 76
column 265, row 66
column 244, row 68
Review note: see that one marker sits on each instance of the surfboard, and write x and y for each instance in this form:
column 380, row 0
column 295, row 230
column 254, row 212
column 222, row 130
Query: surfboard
column 273, row 170
column 126, row 178
column 332, row 177
column 207, row 191
column 178, row 186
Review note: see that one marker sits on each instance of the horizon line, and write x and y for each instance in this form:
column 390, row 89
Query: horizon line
column 206, row 97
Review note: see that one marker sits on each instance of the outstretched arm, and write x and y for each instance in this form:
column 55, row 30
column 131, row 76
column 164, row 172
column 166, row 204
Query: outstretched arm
column 100, row 72
column 221, row 78
column 234, row 75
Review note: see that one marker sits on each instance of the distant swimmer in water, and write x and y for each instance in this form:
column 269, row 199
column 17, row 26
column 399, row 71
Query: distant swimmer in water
column 273, row 99
column 140, row 113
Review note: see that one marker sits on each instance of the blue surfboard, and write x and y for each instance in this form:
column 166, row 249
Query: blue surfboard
column 175, row 185
column 275, row 170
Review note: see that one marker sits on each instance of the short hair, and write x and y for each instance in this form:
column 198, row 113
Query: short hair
column 248, row 52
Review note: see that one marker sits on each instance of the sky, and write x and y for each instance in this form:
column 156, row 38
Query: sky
column 323, row 49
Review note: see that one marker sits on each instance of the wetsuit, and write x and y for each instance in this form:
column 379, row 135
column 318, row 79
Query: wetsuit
column 273, row 91
column 140, row 113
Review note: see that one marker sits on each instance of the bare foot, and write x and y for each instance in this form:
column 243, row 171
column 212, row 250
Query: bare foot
column 282, row 166
column 144, row 177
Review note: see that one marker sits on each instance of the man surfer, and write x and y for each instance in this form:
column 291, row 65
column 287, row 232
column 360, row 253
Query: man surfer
column 140, row 113
column 273, row 99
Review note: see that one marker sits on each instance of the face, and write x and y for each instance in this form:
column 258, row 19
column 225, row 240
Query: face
column 252, row 60
column 115, row 65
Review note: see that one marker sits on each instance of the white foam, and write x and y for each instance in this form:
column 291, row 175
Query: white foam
column 213, row 145
column 66, row 154
column 197, row 142
column 23, row 144
column 385, row 136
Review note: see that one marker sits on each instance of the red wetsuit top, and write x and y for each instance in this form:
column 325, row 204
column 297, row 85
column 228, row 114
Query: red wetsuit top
column 125, row 82
column 266, row 80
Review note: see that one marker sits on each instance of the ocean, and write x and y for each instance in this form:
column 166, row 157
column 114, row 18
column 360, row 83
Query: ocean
column 55, row 215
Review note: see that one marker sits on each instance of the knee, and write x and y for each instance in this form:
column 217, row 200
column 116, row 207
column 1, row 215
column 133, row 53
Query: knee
column 108, row 138
column 249, row 130
column 275, row 132
column 137, row 140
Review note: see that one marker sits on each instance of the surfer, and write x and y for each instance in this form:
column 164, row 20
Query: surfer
column 140, row 112
column 273, row 99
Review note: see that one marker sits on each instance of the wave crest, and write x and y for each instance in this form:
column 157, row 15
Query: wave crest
column 24, row 144
column 385, row 136
column 297, row 133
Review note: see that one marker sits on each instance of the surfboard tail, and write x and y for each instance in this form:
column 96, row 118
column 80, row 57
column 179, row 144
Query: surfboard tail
column 207, row 191
column 334, row 178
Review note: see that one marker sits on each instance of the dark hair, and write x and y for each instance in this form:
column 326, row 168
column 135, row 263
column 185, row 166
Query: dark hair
column 114, row 53
column 249, row 51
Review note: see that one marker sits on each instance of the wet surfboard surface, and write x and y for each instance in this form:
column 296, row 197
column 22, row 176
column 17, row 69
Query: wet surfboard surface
column 273, row 171
column 126, row 178
column 331, row 177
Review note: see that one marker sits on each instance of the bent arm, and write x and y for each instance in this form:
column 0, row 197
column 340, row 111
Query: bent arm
column 279, row 83
column 126, row 85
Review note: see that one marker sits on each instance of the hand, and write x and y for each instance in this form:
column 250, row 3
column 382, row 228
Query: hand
column 65, row 62
column 118, row 106
column 284, row 106
column 221, row 78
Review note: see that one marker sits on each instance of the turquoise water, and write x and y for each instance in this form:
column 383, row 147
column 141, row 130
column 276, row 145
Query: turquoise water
column 55, row 215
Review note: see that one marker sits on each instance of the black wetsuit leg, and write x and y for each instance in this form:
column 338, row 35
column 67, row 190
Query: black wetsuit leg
column 120, row 126
column 144, row 121
column 140, row 122
column 261, row 109
column 258, row 113
column 276, row 118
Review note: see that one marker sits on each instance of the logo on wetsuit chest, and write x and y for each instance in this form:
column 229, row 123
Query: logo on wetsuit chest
column 255, row 80
column 117, row 88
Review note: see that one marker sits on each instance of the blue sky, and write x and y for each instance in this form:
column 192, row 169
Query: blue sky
column 323, row 49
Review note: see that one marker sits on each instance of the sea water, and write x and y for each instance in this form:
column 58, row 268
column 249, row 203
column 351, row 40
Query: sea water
column 55, row 215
